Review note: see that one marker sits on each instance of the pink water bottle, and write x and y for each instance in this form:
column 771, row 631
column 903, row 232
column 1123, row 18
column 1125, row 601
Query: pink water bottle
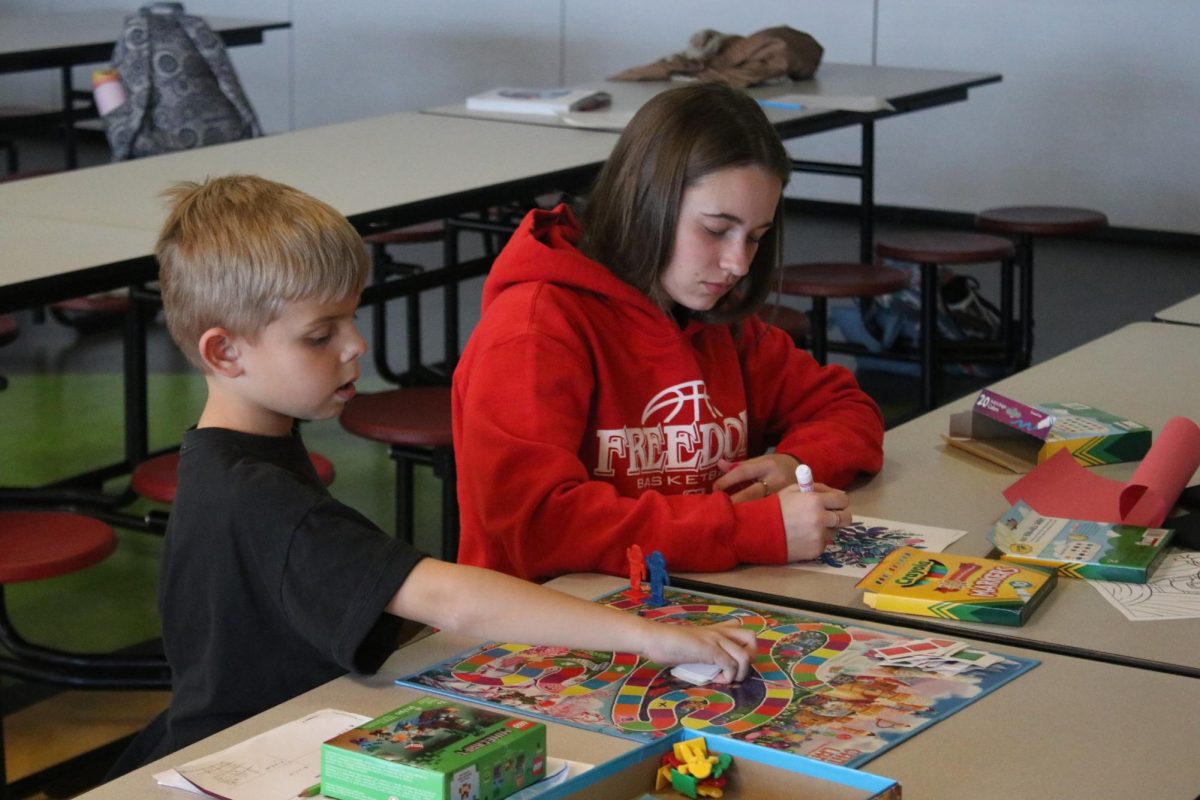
column 107, row 90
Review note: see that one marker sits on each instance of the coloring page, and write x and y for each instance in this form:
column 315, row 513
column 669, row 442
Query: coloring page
column 861, row 545
column 1173, row 591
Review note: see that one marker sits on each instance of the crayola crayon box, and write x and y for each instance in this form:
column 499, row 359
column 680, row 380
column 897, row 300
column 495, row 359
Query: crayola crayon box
column 431, row 749
column 1019, row 437
column 950, row 586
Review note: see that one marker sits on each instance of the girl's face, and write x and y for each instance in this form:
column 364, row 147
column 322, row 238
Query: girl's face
column 722, row 217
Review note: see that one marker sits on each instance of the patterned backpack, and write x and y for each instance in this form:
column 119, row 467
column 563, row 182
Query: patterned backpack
column 181, row 88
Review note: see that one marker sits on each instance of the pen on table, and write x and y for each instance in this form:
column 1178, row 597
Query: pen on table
column 804, row 478
column 784, row 104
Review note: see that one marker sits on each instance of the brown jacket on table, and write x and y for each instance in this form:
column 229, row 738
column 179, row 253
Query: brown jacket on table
column 771, row 54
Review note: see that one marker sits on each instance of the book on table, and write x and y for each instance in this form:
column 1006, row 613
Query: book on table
column 1079, row 548
column 530, row 100
column 951, row 586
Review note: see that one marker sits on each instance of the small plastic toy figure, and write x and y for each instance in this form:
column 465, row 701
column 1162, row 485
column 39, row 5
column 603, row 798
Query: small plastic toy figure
column 637, row 571
column 658, row 578
column 692, row 771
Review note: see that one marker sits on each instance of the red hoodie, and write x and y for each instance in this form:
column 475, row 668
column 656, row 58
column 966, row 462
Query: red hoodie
column 586, row 420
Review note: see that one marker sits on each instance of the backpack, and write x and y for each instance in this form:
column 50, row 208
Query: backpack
column 181, row 88
column 893, row 321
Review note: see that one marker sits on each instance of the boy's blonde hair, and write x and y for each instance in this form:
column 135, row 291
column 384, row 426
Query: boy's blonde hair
column 236, row 250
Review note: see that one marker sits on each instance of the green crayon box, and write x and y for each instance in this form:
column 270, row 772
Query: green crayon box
column 431, row 749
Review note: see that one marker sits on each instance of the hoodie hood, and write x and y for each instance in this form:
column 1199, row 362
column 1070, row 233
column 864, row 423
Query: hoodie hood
column 543, row 249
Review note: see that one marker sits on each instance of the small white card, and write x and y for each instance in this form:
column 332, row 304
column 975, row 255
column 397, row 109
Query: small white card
column 699, row 674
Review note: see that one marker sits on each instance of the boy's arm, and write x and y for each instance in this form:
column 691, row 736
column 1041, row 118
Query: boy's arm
column 480, row 602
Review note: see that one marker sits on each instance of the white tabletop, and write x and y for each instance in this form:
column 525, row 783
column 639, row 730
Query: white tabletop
column 411, row 164
column 35, row 248
column 357, row 167
column 1184, row 313
column 1067, row 728
column 894, row 84
column 1145, row 370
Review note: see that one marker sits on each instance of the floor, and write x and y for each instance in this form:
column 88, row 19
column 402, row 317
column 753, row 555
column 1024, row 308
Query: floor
column 65, row 389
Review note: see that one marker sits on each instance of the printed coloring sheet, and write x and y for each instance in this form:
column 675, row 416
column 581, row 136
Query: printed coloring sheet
column 1173, row 591
column 862, row 544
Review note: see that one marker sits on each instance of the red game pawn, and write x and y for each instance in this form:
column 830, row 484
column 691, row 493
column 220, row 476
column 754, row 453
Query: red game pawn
column 637, row 571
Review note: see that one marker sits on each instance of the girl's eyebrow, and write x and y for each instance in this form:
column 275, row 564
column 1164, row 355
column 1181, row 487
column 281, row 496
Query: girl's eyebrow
column 736, row 220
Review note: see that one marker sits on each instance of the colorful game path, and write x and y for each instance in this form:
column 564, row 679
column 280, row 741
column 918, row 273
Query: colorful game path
column 813, row 688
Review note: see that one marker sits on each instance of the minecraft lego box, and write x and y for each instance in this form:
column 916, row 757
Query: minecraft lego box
column 431, row 749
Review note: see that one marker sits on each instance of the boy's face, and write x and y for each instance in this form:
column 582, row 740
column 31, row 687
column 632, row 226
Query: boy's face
column 302, row 365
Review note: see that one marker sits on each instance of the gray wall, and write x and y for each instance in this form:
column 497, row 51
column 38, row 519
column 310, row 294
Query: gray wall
column 1099, row 106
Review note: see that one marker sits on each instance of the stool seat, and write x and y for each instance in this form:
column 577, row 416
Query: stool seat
column 792, row 321
column 158, row 478
column 930, row 250
column 1041, row 220
column 842, row 280
column 433, row 231
column 8, row 329
column 45, row 544
column 92, row 312
column 384, row 269
column 823, row 280
column 945, row 247
column 95, row 304
column 418, row 416
column 415, row 424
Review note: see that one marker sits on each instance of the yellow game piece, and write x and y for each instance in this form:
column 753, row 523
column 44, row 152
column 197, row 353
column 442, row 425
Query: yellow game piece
column 690, row 749
column 662, row 778
column 709, row 791
column 694, row 753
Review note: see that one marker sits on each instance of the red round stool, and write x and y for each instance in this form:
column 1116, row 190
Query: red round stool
column 8, row 332
column 385, row 268
column 46, row 544
column 931, row 249
column 1023, row 223
column 158, row 478
column 415, row 424
column 36, row 545
column 92, row 311
column 823, row 281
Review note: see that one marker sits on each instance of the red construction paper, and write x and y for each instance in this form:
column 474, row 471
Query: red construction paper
column 1060, row 487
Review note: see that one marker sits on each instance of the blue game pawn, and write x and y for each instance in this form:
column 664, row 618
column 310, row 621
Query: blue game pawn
column 658, row 578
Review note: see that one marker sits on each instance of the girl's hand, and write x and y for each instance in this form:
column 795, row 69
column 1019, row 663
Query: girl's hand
column 756, row 478
column 810, row 520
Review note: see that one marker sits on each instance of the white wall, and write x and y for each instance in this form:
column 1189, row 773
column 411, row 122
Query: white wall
column 1099, row 105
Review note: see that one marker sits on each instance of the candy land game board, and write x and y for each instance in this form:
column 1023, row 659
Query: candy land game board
column 818, row 688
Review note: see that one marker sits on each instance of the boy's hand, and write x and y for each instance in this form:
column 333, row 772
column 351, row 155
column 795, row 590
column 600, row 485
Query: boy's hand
column 727, row 645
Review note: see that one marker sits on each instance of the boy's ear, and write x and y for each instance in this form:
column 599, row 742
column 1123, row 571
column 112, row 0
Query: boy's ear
column 219, row 352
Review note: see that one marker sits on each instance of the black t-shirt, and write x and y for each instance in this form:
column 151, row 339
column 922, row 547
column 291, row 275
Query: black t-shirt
column 269, row 586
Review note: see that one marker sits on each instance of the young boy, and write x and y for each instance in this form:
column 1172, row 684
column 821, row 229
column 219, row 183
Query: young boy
column 269, row 586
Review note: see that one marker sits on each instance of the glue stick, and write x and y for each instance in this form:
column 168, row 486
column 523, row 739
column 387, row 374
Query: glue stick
column 804, row 478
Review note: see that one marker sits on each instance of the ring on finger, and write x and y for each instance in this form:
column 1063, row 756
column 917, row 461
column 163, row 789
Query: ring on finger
column 766, row 487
